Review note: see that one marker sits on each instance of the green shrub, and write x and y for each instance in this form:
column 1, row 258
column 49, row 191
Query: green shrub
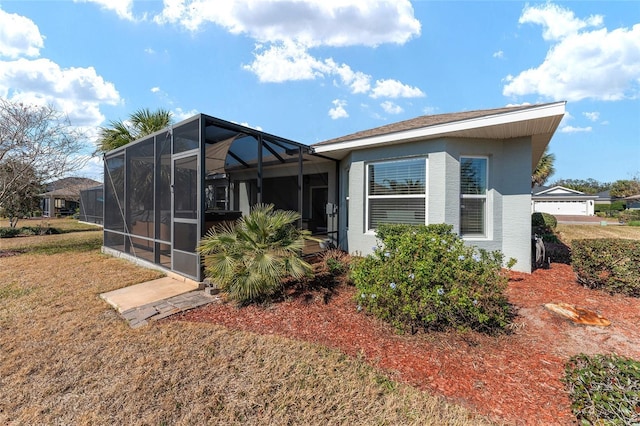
column 544, row 221
column 335, row 262
column 7, row 232
column 629, row 215
column 615, row 206
column 618, row 206
column 38, row 230
column 426, row 277
column 330, row 269
column 250, row 258
column 608, row 264
column 604, row 389
column 634, row 223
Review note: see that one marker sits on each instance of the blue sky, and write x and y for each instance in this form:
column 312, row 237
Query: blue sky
column 318, row 69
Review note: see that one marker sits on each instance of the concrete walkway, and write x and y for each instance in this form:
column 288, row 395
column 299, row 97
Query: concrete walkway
column 153, row 300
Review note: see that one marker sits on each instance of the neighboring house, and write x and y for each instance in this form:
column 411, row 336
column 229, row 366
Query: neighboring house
column 559, row 201
column 605, row 198
column 62, row 197
column 471, row 170
column 633, row 202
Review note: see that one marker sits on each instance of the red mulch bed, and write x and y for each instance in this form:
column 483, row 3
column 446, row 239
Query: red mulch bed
column 513, row 378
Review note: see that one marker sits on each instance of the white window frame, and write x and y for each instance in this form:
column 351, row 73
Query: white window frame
column 368, row 197
column 486, row 231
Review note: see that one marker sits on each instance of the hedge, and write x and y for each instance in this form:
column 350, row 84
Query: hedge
column 544, row 221
column 612, row 265
column 604, row 389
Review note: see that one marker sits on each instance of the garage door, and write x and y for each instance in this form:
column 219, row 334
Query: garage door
column 561, row 207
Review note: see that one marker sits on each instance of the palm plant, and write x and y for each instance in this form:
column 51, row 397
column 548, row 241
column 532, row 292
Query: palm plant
column 250, row 258
column 141, row 123
column 544, row 169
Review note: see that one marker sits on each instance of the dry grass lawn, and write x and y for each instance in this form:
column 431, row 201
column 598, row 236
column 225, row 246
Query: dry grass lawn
column 67, row 358
column 65, row 224
column 567, row 233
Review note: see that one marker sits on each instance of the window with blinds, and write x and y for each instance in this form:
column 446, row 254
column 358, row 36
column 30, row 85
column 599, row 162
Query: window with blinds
column 473, row 196
column 396, row 192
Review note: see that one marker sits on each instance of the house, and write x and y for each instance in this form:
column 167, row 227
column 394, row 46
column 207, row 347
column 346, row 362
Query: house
column 605, row 198
column 633, row 202
column 559, row 201
column 62, row 197
column 469, row 169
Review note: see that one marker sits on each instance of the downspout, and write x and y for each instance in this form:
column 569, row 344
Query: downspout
column 300, row 185
column 259, row 194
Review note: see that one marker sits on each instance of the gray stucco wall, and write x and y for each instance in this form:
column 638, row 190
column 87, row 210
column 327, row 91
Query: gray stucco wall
column 508, row 199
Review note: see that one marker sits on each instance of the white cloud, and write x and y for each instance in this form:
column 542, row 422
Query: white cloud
column 338, row 111
column 123, row 8
column 499, row 54
column 287, row 30
column 572, row 129
column 19, row 36
column 612, row 59
column 179, row 114
column 76, row 91
column 285, row 62
column 245, row 124
column 149, row 51
column 291, row 61
column 429, row 110
column 155, row 90
column 309, row 22
column 566, row 118
column 357, row 81
column 592, row 116
column 93, row 168
column 556, row 21
column 395, row 89
column 391, row 108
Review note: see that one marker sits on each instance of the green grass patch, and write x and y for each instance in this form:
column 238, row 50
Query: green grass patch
column 634, row 223
column 91, row 243
column 29, row 227
column 12, row 291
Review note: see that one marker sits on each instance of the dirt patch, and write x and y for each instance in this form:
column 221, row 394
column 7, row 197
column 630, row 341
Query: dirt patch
column 513, row 378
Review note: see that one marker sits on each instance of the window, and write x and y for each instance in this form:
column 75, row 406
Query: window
column 473, row 194
column 396, row 192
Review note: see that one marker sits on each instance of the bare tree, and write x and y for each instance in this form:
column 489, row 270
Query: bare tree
column 18, row 204
column 38, row 141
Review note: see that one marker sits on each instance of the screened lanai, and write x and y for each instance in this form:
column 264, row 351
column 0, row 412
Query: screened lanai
column 163, row 192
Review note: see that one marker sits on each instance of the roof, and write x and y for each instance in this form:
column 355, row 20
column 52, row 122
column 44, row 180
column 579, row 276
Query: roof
column 69, row 187
column 559, row 193
column 538, row 121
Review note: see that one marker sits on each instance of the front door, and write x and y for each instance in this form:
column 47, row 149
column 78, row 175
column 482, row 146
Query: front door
column 319, row 199
column 186, row 202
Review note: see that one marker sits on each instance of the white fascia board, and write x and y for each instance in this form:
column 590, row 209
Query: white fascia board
column 444, row 129
column 563, row 198
column 564, row 191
